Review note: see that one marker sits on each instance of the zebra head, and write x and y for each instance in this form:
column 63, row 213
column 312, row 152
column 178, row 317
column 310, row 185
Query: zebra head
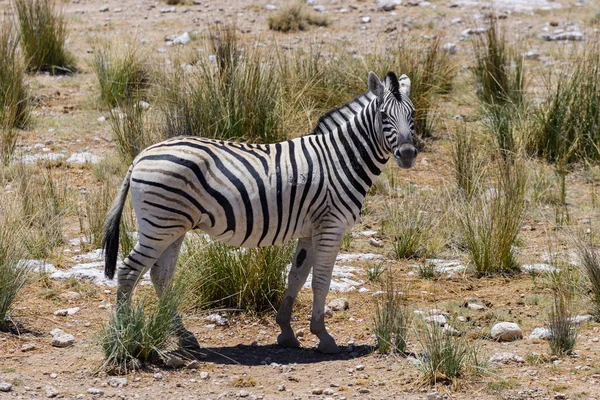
column 396, row 115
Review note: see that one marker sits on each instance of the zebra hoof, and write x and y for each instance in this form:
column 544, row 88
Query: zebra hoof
column 189, row 343
column 328, row 346
column 288, row 341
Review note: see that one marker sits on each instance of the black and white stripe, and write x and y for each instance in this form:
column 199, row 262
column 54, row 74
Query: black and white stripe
column 310, row 188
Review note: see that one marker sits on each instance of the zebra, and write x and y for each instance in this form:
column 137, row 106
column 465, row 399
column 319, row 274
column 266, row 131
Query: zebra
column 310, row 188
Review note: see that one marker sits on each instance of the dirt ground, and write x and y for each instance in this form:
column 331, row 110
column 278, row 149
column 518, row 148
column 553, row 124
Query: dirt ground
column 242, row 358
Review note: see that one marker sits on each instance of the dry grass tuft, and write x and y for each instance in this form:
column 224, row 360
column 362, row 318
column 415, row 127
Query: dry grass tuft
column 295, row 17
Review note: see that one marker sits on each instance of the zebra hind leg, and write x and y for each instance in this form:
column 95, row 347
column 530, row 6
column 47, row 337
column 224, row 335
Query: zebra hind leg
column 301, row 265
column 161, row 275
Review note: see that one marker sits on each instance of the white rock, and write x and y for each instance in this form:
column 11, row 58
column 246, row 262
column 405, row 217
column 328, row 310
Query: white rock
column 95, row 391
column 204, row 375
column 61, row 339
column 158, row 376
column 449, row 47
column 167, row 10
column 104, row 8
column 506, row 332
column 532, row 55
column 83, row 158
column 144, row 105
column 448, row 330
column 271, row 7
column 571, row 36
column 50, row 391
column 473, row 31
column 37, row 266
column 28, row 347
column 363, row 290
column 388, row 5
column 505, row 358
column 365, row 20
column 217, row 319
column 437, row 319
column 243, row 393
column 582, row 318
column 5, row 387
column 476, row 307
column 375, row 242
column 539, row 268
column 118, row 382
column 339, row 304
column 66, row 311
column 540, row 333
column 183, row 39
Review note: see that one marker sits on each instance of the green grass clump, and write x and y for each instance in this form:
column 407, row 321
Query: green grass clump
column 137, row 333
column 295, row 17
column 132, row 129
column 93, row 215
column 43, row 34
column 221, row 276
column 391, row 320
column 233, row 96
column 469, row 162
column 13, row 275
column 410, row 222
column 122, row 71
column 590, row 265
column 563, row 330
column 14, row 104
column 490, row 221
column 568, row 122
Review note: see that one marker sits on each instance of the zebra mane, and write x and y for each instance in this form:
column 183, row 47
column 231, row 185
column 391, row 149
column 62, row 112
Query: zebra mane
column 353, row 107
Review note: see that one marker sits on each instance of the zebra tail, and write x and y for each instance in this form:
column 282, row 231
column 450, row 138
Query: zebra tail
column 110, row 242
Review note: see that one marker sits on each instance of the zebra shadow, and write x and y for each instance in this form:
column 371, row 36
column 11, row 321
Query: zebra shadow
column 272, row 353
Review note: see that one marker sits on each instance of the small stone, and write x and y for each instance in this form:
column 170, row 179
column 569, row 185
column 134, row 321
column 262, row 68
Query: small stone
column 104, row 8
column 506, row 332
column 448, row 330
column 243, row 393
column 582, row 318
column 563, row 36
column 505, row 358
column 328, row 392
column 183, row 39
column 375, row 242
column 158, row 376
column 53, row 375
column 50, row 391
column 174, row 362
column 476, row 307
column 95, row 391
column 204, row 375
column 532, row 55
column 435, row 396
column 5, row 387
column 271, row 7
column 117, row 382
column 364, row 390
column 388, row 5
column 359, row 367
column 365, row 20
column 339, row 304
column 27, row 347
column 317, row 391
column 437, row 319
column 559, row 396
column 450, row 48
column 194, row 364
column 540, row 333
column 61, row 339
column 281, row 388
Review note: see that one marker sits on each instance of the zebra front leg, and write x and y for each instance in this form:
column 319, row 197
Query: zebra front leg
column 301, row 265
column 326, row 245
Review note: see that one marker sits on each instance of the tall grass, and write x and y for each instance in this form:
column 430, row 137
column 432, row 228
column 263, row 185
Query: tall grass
column 391, row 320
column 93, row 214
column 139, row 333
column 43, row 35
column 123, row 72
column 295, row 16
column 14, row 105
column 13, row 275
column 132, row 129
column 411, row 222
column 469, row 161
column 563, row 330
column 491, row 220
column 221, row 276
column 568, row 122
column 444, row 357
column 235, row 95
column 590, row 265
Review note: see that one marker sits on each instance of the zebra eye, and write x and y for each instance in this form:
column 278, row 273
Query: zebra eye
column 383, row 114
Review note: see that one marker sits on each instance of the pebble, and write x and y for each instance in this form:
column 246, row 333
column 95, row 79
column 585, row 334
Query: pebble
column 104, row 8
column 339, row 304
column 5, row 387
column 117, row 382
column 194, row 364
column 271, row 7
column 540, row 333
column 435, row 396
column 66, row 311
column 158, row 376
column 281, row 388
column 563, row 36
column 388, row 5
column 505, row 358
column 50, row 391
column 61, row 339
column 243, row 393
column 27, row 347
column 437, row 319
column 476, row 307
column 95, row 391
column 172, row 361
column 506, row 332
column 317, row 391
column 204, row 375
column 183, row 39
column 450, row 48
column 365, row 20
column 359, row 367
column 375, row 242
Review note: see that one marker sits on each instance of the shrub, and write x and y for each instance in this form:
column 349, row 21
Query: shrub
column 295, row 17
column 444, row 357
column 590, row 265
column 43, row 35
column 221, row 276
column 469, row 162
column 135, row 334
column 235, row 96
column 13, row 274
column 568, row 122
column 563, row 330
column 14, row 105
column 122, row 72
column 499, row 70
column 490, row 221
column 410, row 222
column 391, row 320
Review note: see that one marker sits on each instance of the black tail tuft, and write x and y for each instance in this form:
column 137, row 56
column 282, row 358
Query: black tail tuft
column 110, row 242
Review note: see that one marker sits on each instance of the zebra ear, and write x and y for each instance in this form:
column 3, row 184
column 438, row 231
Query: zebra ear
column 375, row 85
column 390, row 82
column 404, row 83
